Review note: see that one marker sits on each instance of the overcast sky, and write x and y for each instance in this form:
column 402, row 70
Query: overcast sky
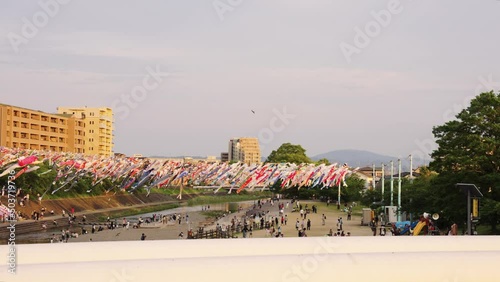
column 226, row 58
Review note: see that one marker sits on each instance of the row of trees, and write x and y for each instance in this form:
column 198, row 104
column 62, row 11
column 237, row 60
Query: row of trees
column 468, row 152
column 41, row 182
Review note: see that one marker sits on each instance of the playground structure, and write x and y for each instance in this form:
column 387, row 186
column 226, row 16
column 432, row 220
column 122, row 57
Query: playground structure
column 426, row 225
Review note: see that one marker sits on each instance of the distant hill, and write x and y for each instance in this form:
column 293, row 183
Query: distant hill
column 178, row 157
column 362, row 158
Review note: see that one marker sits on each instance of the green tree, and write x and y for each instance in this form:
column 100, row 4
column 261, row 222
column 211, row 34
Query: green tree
column 353, row 191
column 469, row 152
column 323, row 161
column 289, row 153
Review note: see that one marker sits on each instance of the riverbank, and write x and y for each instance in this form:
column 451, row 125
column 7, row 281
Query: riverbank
column 114, row 206
column 199, row 218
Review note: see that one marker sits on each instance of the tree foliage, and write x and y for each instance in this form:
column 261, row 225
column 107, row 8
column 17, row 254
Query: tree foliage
column 471, row 143
column 289, row 153
column 469, row 152
column 324, row 161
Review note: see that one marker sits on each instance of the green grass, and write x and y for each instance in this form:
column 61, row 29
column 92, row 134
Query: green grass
column 213, row 214
column 486, row 230
column 217, row 199
column 358, row 210
column 174, row 191
column 136, row 211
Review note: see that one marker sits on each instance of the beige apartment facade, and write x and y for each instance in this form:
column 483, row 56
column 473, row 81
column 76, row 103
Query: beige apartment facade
column 36, row 130
column 98, row 128
column 244, row 149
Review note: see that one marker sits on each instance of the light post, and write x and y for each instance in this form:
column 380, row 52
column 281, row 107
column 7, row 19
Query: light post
column 411, row 169
column 472, row 192
column 399, row 189
column 392, row 183
column 373, row 176
column 383, row 181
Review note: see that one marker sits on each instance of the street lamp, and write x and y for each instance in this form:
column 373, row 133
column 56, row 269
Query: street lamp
column 472, row 192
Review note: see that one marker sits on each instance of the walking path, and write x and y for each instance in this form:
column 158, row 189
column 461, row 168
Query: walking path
column 159, row 231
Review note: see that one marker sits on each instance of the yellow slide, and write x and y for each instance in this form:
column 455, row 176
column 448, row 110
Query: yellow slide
column 418, row 228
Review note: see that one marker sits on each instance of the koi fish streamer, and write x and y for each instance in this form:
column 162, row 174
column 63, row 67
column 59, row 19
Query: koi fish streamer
column 132, row 174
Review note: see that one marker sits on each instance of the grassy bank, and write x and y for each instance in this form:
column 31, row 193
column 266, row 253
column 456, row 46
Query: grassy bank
column 136, row 211
column 213, row 214
column 175, row 191
column 217, row 199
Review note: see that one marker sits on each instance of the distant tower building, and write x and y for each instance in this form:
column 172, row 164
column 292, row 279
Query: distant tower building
column 224, row 157
column 245, row 149
column 98, row 128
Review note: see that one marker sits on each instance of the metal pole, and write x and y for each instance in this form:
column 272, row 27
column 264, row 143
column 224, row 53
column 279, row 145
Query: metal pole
column 399, row 189
column 373, row 176
column 469, row 229
column 383, row 176
column 338, row 200
column 411, row 169
column 392, row 183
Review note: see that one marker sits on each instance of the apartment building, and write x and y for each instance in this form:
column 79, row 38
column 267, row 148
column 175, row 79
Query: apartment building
column 244, row 149
column 36, row 130
column 98, row 128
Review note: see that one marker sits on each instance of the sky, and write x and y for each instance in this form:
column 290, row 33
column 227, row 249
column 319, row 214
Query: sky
column 183, row 77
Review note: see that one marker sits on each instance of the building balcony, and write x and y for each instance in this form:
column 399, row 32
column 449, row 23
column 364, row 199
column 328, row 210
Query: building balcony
column 106, row 118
